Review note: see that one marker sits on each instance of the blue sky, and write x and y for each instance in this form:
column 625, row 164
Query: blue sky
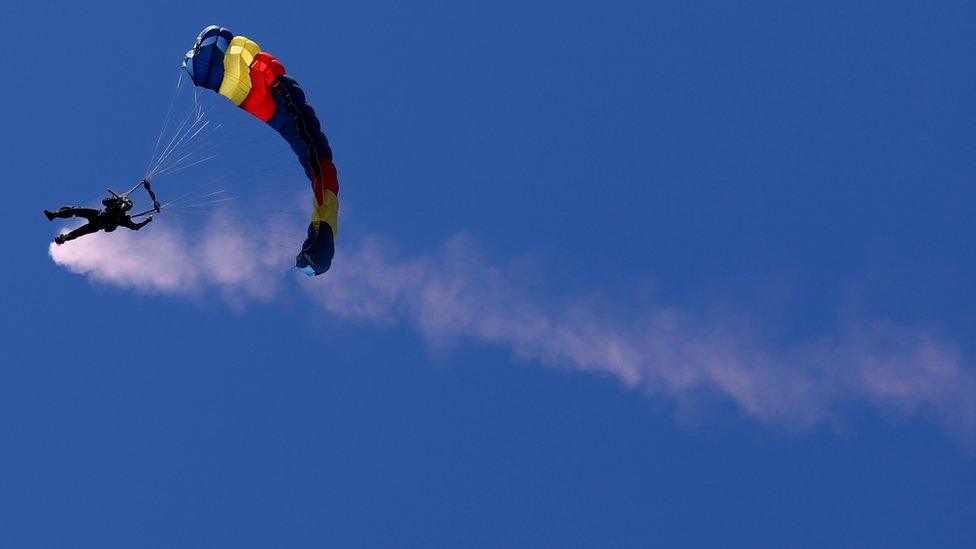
column 628, row 275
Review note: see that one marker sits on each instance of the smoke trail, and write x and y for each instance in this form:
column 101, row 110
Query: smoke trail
column 165, row 260
column 455, row 295
column 458, row 295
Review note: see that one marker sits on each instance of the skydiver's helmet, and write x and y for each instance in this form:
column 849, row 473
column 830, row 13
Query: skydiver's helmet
column 117, row 203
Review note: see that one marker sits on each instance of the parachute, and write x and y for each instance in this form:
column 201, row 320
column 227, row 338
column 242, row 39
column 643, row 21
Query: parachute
column 236, row 68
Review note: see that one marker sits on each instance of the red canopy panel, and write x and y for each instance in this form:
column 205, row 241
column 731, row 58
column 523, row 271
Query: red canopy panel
column 329, row 180
column 264, row 69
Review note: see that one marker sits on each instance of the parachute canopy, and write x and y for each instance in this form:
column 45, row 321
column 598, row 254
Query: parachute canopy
column 235, row 67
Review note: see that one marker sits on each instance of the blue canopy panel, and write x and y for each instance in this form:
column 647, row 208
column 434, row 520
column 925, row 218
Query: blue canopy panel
column 318, row 249
column 297, row 123
column 205, row 62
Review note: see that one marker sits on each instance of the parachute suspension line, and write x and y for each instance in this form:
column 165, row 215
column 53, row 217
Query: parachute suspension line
column 178, row 201
column 190, row 113
column 213, row 141
column 211, row 195
column 254, row 175
column 196, row 113
column 204, row 149
column 181, row 168
column 189, row 193
column 196, row 100
column 166, row 119
column 249, row 214
column 236, row 215
column 195, row 127
column 210, row 203
column 210, row 135
column 215, row 193
column 179, row 138
column 195, row 132
column 191, row 132
column 179, row 131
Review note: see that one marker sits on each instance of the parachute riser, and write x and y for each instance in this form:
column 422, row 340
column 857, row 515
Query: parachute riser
column 130, row 191
column 144, row 183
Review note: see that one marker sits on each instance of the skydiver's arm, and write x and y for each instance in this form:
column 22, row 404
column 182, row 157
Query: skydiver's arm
column 129, row 224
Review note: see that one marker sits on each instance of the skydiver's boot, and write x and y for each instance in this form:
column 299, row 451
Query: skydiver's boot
column 59, row 240
column 49, row 215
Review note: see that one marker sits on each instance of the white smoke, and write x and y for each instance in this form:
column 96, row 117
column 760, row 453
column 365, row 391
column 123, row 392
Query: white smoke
column 163, row 260
column 455, row 295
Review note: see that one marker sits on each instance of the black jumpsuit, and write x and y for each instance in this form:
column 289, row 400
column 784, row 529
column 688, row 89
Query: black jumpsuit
column 108, row 220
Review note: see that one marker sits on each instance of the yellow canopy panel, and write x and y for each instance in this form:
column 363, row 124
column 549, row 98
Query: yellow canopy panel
column 237, row 69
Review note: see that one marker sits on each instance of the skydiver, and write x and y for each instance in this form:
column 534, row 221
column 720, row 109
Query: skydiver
column 114, row 215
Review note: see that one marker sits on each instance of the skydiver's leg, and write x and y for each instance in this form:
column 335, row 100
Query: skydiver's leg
column 72, row 211
column 87, row 228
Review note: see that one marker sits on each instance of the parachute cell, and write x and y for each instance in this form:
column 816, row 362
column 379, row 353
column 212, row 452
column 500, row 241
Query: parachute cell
column 205, row 62
column 264, row 70
column 236, row 68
